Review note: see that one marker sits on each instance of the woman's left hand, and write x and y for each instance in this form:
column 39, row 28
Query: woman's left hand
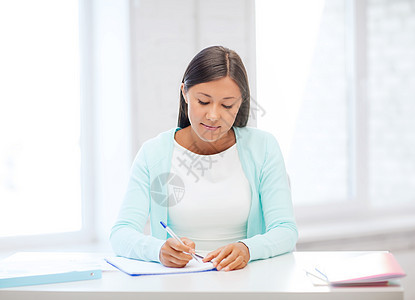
column 230, row 257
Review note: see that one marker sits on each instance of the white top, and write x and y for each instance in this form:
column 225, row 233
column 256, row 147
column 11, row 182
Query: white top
column 214, row 208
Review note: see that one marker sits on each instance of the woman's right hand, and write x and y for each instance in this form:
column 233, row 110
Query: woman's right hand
column 172, row 253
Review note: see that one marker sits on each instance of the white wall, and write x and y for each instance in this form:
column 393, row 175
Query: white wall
column 166, row 35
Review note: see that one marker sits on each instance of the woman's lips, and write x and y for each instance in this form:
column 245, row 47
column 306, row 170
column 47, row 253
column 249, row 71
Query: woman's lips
column 210, row 127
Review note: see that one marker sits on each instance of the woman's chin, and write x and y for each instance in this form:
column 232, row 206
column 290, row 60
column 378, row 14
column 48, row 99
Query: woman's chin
column 209, row 137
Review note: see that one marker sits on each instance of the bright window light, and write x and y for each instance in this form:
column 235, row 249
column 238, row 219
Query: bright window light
column 40, row 189
column 302, row 89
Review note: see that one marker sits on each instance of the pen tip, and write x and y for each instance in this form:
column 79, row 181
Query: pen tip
column 162, row 224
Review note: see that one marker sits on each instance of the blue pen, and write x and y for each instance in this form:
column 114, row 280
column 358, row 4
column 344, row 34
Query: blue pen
column 168, row 229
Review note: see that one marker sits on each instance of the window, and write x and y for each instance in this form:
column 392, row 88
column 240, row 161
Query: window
column 335, row 79
column 40, row 184
column 391, row 111
column 302, row 88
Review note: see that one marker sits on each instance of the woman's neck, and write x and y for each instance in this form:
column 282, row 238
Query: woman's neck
column 188, row 139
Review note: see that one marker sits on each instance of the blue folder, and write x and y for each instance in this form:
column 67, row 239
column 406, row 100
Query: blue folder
column 33, row 268
column 50, row 278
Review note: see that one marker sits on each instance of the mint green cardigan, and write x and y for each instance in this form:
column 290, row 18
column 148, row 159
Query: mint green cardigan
column 271, row 228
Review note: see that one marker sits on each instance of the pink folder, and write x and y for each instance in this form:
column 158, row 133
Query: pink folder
column 368, row 268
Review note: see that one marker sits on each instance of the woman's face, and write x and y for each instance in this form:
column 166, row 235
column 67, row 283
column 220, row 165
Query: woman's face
column 212, row 107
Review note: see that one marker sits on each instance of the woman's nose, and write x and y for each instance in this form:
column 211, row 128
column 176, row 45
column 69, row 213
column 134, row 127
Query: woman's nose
column 213, row 113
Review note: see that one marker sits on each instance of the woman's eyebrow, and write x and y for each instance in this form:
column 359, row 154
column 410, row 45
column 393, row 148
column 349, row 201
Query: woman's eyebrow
column 205, row 95
column 211, row 96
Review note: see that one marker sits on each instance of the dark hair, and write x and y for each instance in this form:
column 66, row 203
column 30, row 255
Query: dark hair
column 210, row 64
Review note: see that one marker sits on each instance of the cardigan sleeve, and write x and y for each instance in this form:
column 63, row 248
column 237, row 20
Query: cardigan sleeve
column 127, row 237
column 281, row 233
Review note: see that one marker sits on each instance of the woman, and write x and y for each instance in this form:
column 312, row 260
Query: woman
column 218, row 184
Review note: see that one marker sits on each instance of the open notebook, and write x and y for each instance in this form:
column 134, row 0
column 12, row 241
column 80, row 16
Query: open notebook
column 135, row 267
column 371, row 268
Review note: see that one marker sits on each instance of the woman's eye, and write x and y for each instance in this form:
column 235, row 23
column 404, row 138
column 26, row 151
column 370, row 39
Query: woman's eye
column 206, row 103
column 202, row 103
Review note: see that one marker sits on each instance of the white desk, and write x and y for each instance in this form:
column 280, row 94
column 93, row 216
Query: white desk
column 277, row 278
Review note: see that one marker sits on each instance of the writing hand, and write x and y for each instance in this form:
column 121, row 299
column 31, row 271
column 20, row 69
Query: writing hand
column 230, row 257
column 172, row 252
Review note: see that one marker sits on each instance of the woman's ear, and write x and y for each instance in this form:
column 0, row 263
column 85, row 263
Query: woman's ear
column 183, row 93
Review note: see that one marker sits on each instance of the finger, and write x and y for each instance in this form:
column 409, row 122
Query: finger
column 172, row 258
column 212, row 255
column 174, row 262
column 173, row 248
column 176, row 245
column 177, row 255
column 227, row 260
column 189, row 243
column 180, row 255
column 238, row 263
column 222, row 254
